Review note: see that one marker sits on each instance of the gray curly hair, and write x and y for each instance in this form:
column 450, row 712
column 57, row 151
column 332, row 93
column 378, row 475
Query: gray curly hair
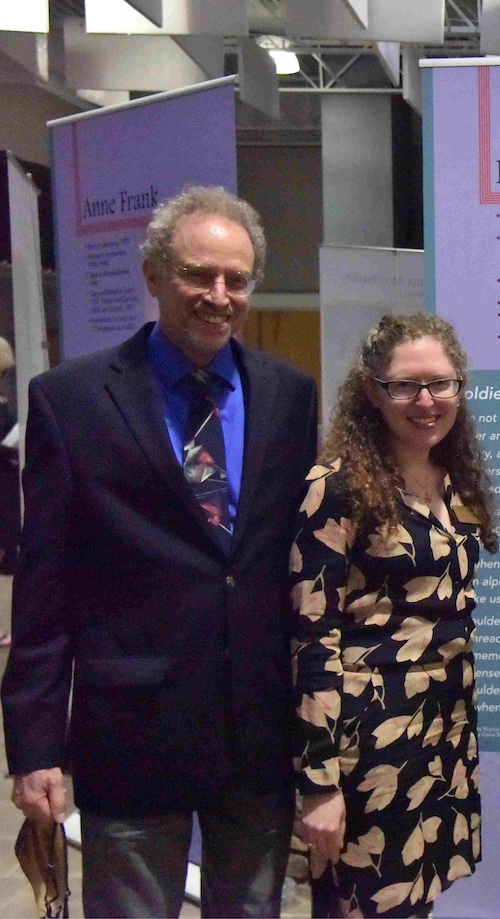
column 207, row 200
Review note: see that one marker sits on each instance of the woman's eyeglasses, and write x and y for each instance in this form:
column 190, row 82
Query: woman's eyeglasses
column 409, row 389
column 203, row 279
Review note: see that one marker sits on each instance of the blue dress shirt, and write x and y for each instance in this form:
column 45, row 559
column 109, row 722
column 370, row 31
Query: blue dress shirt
column 170, row 368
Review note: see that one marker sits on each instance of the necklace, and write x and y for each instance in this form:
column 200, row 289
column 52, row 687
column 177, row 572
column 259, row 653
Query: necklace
column 424, row 489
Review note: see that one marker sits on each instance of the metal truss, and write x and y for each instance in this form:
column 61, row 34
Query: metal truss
column 336, row 66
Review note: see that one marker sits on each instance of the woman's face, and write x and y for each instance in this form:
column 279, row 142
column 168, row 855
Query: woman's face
column 416, row 425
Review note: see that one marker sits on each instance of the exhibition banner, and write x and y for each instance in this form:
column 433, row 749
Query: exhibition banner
column 358, row 285
column 462, row 283
column 29, row 316
column 462, row 239
column 111, row 167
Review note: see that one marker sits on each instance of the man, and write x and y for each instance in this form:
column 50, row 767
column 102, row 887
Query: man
column 170, row 602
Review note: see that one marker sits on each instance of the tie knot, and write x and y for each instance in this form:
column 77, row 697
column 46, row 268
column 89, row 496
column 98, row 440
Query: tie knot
column 201, row 383
column 201, row 378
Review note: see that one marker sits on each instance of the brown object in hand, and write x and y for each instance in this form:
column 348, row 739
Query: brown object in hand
column 42, row 851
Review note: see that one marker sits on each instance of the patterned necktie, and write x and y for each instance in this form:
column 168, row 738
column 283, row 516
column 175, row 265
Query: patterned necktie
column 204, row 456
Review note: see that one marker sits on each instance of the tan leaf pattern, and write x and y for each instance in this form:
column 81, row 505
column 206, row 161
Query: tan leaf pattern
column 414, row 847
column 434, row 890
column 468, row 673
column 328, row 774
column 459, row 780
column 416, row 725
column 421, row 588
column 314, row 497
column 321, row 706
column 391, row 730
column 295, row 559
column 440, row 544
column 336, row 535
column 417, row 891
column 374, row 840
column 419, row 791
column 436, row 767
column 461, row 829
column 356, row 682
column 416, row 682
column 383, row 546
column 445, row 588
column 434, row 732
column 463, row 560
column 357, row 856
column 382, row 781
column 378, row 687
column 371, row 608
column 384, row 675
column 416, row 633
column 391, row 896
column 475, row 824
column 356, row 580
column 452, row 648
column 459, row 868
column 349, row 759
column 430, row 828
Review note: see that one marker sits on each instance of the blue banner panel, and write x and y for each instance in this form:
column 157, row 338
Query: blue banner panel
column 461, row 131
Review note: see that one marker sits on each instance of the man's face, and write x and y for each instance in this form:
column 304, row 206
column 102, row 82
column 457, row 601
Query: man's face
column 200, row 323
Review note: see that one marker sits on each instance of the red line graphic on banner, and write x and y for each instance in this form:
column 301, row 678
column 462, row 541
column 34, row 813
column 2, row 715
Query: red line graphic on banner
column 486, row 195
column 104, row 226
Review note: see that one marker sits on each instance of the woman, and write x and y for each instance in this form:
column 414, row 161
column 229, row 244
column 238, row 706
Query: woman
column 383, row 566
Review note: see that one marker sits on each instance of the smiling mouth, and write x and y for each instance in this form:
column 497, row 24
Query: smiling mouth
column 424, row 422
column 214, row 318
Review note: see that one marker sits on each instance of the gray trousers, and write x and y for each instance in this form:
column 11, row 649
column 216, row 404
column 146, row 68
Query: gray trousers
column 136, row 867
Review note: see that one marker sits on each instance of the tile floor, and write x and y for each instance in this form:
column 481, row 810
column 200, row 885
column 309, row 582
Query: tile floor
column 16, row 897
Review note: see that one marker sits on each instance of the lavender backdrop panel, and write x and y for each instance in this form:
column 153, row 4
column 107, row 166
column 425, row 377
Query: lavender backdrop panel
column 467, row 232
column 462, row 220
column 109, row 172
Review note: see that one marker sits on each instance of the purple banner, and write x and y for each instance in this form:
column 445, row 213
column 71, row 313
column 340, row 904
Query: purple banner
column 110, row 169
column 462, row 280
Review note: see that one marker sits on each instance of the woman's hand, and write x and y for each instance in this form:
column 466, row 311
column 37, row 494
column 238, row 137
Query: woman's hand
column 323, row 823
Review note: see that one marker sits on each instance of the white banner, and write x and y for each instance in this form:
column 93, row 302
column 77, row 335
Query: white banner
column 359, row 285
column 29, row 316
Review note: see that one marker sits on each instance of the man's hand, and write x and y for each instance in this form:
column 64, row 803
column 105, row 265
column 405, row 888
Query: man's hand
column 41, row 795
column 323, row 823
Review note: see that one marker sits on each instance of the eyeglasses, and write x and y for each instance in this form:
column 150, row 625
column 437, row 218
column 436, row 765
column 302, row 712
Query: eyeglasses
column 402, row 390
column 202, row 279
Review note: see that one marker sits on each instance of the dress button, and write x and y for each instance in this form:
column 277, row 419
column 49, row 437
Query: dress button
column 230, row 582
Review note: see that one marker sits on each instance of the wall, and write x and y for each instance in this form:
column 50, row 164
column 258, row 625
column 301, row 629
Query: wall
column 357, row 170
column 24, row 111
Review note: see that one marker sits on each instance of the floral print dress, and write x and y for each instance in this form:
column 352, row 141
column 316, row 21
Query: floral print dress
column 384, row 678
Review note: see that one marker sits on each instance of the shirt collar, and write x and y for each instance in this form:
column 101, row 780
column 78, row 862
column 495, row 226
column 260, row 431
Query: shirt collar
column 172, row 365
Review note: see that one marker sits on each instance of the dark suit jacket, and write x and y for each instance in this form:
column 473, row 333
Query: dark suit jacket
column 181, row 655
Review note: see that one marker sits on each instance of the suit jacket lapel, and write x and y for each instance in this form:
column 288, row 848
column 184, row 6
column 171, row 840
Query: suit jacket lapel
column 260, row 386
column 132, row 387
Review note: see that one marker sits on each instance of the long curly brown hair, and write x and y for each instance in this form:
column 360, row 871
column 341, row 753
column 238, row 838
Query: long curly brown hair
column 358, row 434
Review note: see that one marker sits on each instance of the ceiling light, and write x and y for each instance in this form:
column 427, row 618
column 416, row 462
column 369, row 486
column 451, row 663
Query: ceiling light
column 25, row 16
column 285, row 60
